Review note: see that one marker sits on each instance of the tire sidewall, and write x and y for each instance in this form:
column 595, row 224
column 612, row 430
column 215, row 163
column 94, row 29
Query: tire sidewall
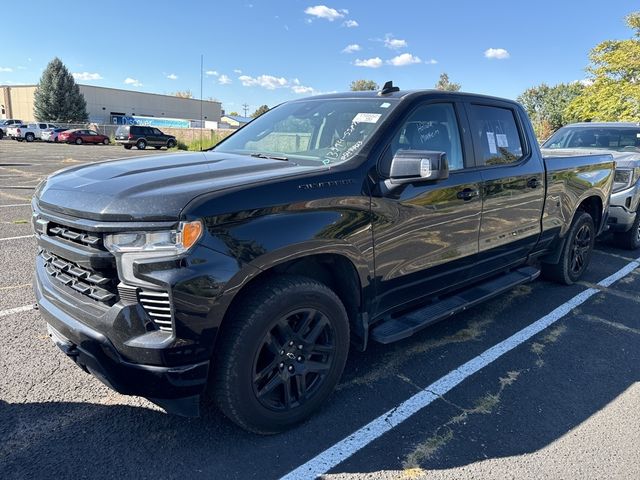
column 581, row 220
column 250, row 340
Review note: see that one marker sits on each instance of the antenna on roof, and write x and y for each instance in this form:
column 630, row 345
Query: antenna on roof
column 388, row 88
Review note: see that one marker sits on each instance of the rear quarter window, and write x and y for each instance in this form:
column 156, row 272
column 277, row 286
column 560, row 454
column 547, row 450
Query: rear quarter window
column 496, row 136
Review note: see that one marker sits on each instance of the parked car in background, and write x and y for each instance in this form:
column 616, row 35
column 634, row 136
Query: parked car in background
column 622, row 140
column 51, row 134
column 79, row 136
column 141, row 137
column 12, row 130
column 4, row 124
column 30, row 131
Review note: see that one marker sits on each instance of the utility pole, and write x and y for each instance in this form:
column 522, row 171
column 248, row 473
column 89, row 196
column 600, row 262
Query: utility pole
column 201, row 119
column 245, row 107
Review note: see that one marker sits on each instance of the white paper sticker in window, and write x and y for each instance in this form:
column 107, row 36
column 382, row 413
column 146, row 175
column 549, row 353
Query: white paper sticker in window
column 367, row 117
column 385, row 105
column 492, row 143
column 637, row 135
column 501, row 140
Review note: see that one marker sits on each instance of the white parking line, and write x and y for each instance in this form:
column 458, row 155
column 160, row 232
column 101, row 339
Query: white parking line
column 345, row 448
column 16, row 205
column 11, row 311
column 15, row 238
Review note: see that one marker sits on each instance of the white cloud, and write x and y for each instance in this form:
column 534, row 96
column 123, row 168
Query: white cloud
column 322, row 11
column 302, row 89
column 375, row 62
column 394, row 43
column 403, row 60
column 237, row 70
column 269, row 82
column 350, row 24
column 431, row 61
column 354, row 47
column 6, row 69
column 224, row 79
column 133, row 82
column 210, row 73
column 497, row 53
column 172, row 76
column 86, row 76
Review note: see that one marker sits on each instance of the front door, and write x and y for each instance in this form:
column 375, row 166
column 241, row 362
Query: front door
column 426, row 235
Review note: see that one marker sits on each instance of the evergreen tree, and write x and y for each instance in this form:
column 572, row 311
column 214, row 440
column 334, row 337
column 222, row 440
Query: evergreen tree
column 57, row 97
column 262, row 109
column 363, row 85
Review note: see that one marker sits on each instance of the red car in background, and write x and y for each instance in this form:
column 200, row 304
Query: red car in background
column 79, row 137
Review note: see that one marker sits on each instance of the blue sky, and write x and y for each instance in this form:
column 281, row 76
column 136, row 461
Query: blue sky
column 260, row 52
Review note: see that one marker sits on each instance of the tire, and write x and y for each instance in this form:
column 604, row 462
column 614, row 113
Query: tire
column 629, row 240
column 78, row 141
column 171, row 143
column 576, row 252
column 1, row 134
column 29, row 137
column 141, row 145
column 157, row 148
column 55, row 139
column 127, row 147
column 292, row 331
column 105, row 141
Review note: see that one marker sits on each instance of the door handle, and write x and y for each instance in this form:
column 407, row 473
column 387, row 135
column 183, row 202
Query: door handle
column 467, row 194
column 533, row 183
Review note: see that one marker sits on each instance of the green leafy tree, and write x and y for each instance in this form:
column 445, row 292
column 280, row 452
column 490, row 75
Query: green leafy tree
column 447, row 85
column 57, row 97
column 547, row 106
column 614, row 73
column 363, row 85
column 261, row 109
column 234, row 114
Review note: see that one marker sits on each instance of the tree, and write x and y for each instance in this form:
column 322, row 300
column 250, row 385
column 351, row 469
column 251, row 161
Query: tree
column 363, row 85
column 547, row 106
column 57, row 97
column 446, row 85
column 234, row 114
column 614, row 75
column 261, row 109
column 183, row 94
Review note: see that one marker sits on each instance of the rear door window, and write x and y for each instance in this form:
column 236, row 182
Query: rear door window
column 496, row 136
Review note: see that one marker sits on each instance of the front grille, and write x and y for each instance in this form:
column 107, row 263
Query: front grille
column 76, row 236
column 158, row 307
column 91, row 283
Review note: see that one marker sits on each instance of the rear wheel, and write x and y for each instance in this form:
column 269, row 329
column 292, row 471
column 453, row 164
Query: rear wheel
column 105, row 141
column 282, row 354
column 78, row 141
column 141, row 145
column 576, row 252
column 631, row 239
column 29, row 137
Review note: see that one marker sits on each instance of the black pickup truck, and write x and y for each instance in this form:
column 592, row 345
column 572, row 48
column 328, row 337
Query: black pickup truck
column 246, row 272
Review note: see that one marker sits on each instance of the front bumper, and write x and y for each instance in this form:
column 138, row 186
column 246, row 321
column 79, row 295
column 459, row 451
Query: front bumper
column 175, row 388
column 622, row 209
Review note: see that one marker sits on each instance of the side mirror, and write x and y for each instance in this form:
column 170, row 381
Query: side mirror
column 411, row 166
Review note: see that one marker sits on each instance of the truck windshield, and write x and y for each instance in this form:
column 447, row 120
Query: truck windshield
column 311, row 131
column 621, row 139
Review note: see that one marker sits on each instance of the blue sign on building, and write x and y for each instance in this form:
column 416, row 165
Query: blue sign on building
column 150, row 121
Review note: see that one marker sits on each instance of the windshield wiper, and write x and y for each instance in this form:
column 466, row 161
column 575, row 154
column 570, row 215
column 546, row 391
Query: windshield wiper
column 272, row 157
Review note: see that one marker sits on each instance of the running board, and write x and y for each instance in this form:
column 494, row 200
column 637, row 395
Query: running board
column 396, row 329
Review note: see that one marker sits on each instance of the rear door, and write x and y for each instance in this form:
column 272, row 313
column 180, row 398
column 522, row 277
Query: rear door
column 513, row 185
column 426, row 234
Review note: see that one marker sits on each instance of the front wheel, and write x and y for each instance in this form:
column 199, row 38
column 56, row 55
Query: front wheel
column 630, row 240
column 576, row 253
column 171, row 143
column 281, row 355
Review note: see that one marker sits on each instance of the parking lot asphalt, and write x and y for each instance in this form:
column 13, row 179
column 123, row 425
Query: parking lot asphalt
column 561, row 404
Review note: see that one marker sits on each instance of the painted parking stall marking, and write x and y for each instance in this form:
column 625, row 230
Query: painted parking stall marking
column 345, row 448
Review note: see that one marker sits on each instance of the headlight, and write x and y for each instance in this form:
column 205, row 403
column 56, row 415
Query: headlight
column 624, row 178
column 131, row 246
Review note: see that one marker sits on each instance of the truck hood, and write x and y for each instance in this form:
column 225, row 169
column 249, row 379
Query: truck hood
column 622, row 159
column 153, row 188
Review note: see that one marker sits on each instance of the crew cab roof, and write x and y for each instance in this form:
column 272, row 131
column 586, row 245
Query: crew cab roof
column 404, row 94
